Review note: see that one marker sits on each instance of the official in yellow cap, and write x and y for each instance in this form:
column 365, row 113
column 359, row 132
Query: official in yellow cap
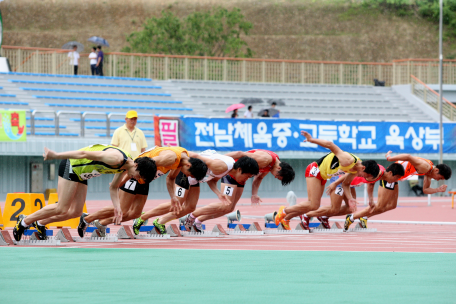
column 128, row 137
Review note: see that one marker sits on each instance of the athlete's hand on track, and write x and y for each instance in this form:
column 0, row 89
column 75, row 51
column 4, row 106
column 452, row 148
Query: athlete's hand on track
column 352, row 204
column 49, row 154
column 371, row 202
column 175, row 205
column 388, row 154
column 307, row 136
column 330, row 189
column 224, row 199
column 442, row 188
column 117, row 215
column 255, row 200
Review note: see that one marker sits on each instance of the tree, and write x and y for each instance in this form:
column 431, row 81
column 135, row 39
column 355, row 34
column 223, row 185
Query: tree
column 213, row 33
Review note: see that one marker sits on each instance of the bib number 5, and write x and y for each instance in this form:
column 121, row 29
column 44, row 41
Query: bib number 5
column 228, row 191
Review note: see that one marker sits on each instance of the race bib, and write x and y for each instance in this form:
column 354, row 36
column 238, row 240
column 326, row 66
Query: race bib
column 86, row 176
column 130, row 185
column 180, row 192
column 228, row 191
column 314, row 171
column 133, row 147
column 339, row 191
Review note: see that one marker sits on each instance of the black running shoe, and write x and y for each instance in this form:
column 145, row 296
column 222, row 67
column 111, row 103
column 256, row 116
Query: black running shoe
column 82, row 227
column 18, row 230
column 41, row 231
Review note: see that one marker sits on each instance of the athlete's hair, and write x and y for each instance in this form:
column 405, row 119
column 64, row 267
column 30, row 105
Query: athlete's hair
column 396, row 169
column 147, row 168
column 247, row 165
column 444, row 170
column 287, row 173
column 198, row 169
column 372, row 167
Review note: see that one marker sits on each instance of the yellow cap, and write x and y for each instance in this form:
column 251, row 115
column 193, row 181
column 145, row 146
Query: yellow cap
column 131, row 114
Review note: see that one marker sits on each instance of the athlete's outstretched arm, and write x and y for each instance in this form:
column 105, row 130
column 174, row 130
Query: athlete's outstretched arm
column 110, row 157
column 334, row 185
column 346, row 186
column 222, row 197
column 114, row 193
column 370, row 194
column 236, row 154
column 427, row 186
column 255, row 187
column 401, row 157
column 321, row 142
column 170, row 180
column 165, row 158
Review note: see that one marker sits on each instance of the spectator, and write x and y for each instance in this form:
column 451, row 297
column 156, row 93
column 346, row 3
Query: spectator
column 265, row 113
column 273, row 105
column 235, row 114
column 93, row 61
column 248, row 113
column 74, row 59
column 129, row 137
column 100, row 59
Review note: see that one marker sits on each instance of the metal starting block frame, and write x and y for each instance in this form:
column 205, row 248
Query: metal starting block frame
column 5, row 238
column 335, row 228
column 34, row 240
column 254, row 229
column 359, row 228
column 194, row 233
column 96, row 238
column 280, row 230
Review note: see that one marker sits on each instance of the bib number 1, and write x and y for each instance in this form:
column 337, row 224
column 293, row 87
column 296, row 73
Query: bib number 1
column 180, row 192
column 228, row 191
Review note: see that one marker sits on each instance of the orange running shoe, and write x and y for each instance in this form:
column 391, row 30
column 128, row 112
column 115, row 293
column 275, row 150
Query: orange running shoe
column 286, row 224
column 280, row 215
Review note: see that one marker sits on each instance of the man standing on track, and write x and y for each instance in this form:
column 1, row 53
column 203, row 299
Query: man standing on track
column 388, row 193
column 187, row 189
column 334, row 163
column 267, row 161
column 75, row 169
column 133, row 193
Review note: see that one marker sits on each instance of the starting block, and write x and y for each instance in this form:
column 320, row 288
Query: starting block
column 34, row 240
column 126, row 232
column 182, row 228
column 5, row 238
column 63, row 235
column 335, row 228
column 29, row 232
column 96, row 238
column 280, row 230
column 246, row 229
column 200, row 234
column 92, row 229
column 359, row 228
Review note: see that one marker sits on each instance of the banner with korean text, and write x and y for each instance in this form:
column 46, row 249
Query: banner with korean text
column 226, row 134
column 13, row 126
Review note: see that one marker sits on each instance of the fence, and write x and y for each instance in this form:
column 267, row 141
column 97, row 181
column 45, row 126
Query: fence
column 163, row 67
column 431, row 97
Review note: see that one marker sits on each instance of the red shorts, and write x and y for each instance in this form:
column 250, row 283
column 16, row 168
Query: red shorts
column 312, row 170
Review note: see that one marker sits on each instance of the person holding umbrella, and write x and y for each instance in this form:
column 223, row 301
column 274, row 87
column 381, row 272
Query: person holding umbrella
column 234, row 108
column 74, row 59
column 100, row 59
column 235, row 114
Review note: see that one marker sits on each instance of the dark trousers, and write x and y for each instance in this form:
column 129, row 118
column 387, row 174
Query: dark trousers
column 93, row 67
column 100, row 69
column 75, row 70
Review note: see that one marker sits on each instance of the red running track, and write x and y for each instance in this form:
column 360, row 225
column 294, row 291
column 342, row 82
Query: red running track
column 389, row 237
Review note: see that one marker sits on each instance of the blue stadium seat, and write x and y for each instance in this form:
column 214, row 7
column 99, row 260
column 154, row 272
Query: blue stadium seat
column 53, row 134
column 104, row 135
column 112, row 120
column 63, row 105
column 84, row 84
column 108, row 99
column 7, row 95
column 77, row 76
column 113, row 128
column 47, row 126
column 16, row 103
column 92, row 92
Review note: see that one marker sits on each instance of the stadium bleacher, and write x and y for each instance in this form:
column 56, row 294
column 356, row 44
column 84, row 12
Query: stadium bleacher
column 101, row 96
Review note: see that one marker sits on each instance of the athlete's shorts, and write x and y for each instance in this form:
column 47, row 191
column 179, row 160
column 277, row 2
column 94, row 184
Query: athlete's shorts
column 389, row 186
column 68, row 174
column 312, row 170
column 182, row 181
column 133, row 187
column 227, row 179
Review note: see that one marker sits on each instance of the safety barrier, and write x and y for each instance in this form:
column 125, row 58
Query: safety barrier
column 431, row 97
column 163, row 67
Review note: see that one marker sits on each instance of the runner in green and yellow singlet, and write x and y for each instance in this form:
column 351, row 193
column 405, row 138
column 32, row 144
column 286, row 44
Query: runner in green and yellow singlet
column 75, row 169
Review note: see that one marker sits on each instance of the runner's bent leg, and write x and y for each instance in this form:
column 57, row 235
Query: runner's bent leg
column 315, row 192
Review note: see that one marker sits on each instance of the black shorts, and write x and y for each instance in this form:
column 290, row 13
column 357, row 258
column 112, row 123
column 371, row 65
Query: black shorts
column 389, row 186
column 66, row 173
column 182, row 181
column 133, row 187
column 227, row 179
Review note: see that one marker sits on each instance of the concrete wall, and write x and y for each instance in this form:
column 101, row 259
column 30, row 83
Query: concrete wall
column 15, row 177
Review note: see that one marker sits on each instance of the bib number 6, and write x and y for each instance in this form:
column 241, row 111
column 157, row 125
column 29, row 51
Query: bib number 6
column 180, row 192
